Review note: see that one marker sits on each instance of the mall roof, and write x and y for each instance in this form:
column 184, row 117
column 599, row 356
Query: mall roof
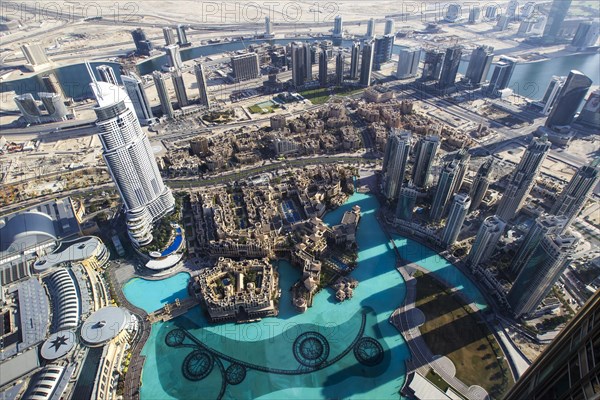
column 104, row 325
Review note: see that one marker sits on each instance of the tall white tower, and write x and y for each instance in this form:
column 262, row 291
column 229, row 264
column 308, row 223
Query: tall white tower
column 130, row 161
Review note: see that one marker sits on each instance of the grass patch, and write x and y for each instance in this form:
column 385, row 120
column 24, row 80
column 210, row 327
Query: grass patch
column 455, row 331
column 437, row 381
column 321, row 95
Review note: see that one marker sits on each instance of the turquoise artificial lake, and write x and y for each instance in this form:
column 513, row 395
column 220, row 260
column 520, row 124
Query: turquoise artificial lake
column 359, row 353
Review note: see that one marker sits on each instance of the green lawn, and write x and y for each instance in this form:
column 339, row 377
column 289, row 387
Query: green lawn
column 455, row 331
column 321, row 95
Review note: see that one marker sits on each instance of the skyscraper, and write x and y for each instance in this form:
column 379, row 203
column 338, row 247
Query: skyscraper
column 389, row 27
column 323, row 68
column 502, row 23
column 425, row 152
column 406, row 202
column 479, row 64
column 354, row 60
column 202, row 85
column 590, row 114
column 169, row 36
column 502, row 74
column 371, row 28
column 28, row 107
column 245, row 67
column 173, row 56
column 268, row 26
column 568, row 366
column 143, row 47
column 383, row 50
column 544, row 225
column 577, row 192
column 182, row 39
column 551, row 94
column 540, row 273
column 397, row 151
column 179, row 85
column 569, row 99
column 408, row 63
column 338, row 27
column 450, row 67
column 107, row 74
column 432, row 66
column 557, row 15
column 308, row 61
column 523, row 178
column 486, row 240
column 163, row 94
column 366, row 64
column 474, row 14
column 451, row 178
column 458, row 212
column 34, row 54
column 52, row 85
column 491, row 11
column 453, row 12
column 481, row 183
column 298, row 64
column 137, row 94
column 54, row 105
column 130, row 161
column 586, row 35
column 339, row 68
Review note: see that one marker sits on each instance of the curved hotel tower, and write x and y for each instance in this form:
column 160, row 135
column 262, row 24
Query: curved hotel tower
column 131, row 162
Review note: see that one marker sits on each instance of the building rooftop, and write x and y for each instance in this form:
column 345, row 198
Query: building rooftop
column 69, row 251
column 58, row 345
column 104, row 325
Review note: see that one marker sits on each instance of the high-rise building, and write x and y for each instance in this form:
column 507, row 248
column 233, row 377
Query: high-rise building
column 523, row 178
column 383, row 50
column 502, row 23
column 511, row 9
column 143, row 47
column 137, row 94
column 179, row 85
column 397, row 151
column 587, row 35
column 163, row 94
column 366, row 63
column 107, row 74
column 481, row 183
column 551, row 94
column 474, row 14
column 556, row 17
column 310, row 54
column 502, row 74
column 453, row 12
column 174, row 56
column 408, row 63
column 451, row 179
column 182, row 39
column 590, row 114
column 169, row 36
column 569, row 99
column 389, row 27
column 567, row 368
column 323, row 77
column 432, row 65
column 458, row 212
column 268, row 27
column 29, row 108
column 55, row 106
column 202, row 85
column 245, row 67
column 34, row 54
column 371, row 28
column 479, row 64
column 354, row 60
column 526, row 26
column 52, row 85
column 339, row 69
column 491, row 11
column 425, row 152
column 572, row 199
column 540, row 273
column 486, row 240
column 544, row 225
column 338, row 27
column 130, row 160
column 298, row 64
column 406, row 202
column 528, row 9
